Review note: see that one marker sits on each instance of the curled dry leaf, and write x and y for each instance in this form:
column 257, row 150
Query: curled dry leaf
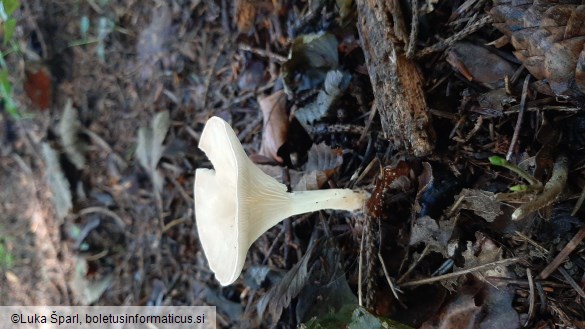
column 276, row 124
column 434, row 233
column 58, row 184
column 482, row 203
column 150, row 147
column 69, row 135
column 477, row 305
column 335, row 84
column 477, row 63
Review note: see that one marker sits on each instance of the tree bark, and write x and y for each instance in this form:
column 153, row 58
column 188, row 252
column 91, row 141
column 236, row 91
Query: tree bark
column 396, row 80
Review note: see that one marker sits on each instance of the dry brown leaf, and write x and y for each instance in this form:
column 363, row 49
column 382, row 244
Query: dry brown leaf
column 477, row 305
column 435, row 234
column 482, row 203
column 479, row 64
column 276, row 124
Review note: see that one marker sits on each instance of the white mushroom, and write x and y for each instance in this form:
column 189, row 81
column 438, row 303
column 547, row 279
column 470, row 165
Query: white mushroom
column 236, row 202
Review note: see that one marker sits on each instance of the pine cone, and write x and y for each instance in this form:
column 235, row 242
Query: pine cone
column 549, row 38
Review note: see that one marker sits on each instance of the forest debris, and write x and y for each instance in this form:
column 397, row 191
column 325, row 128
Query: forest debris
column 548, row 38
column 311, row 57
column 289, row 287
column 483, row 251
column 69, row 129
column 275, row 129
column 477, row 305
column 58, row 184
column 562, row 256
column 435, row 234
column 150, row 147
column 38, row 85
column 482, row 203
column 87, row 291
column 153, row 40
column 477, row 63
column 335, row 84
column 396, row 80
column 551, row 191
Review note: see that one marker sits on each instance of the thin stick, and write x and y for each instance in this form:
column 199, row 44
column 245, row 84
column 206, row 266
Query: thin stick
column 413, row 30
column 532, row 298
column 413, row 266
column 572, row 282
column 560, row 258
column 360, row 271
column 459, row 273
column 392, row 287
column 579, row 202
column 263, row 53
column 520, row 117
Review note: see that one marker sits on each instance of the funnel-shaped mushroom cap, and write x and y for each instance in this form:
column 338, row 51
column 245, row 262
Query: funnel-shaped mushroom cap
column 236, row 202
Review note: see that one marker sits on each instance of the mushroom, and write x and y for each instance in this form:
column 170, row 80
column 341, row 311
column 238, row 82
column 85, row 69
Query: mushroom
column 236, row 202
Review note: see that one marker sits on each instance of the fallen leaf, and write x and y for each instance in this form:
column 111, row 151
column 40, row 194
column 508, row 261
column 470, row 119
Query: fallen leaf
column 289, row 287
column 477, row 305
column 87, row 291
column 433, row 233
column 335, row 84
column 150, row 146
column 153, row 40
column 311, row 57
column 58, row 184
column 69, row 128
column 38, row 86
column 275, row 129
column 482, row 203
column 479, row 64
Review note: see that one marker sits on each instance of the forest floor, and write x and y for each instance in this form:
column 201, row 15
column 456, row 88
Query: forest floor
column 475, row 216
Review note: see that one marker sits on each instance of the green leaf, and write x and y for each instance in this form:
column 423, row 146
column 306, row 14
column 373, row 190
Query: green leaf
column 10, row 6
column 519, row 188
column 9, row 27
column 497, row 161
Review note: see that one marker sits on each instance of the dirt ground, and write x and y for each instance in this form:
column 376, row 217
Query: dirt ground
column 96, row 206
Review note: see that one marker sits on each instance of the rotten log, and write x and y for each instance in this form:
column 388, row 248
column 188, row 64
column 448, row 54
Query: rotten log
column 396, row 80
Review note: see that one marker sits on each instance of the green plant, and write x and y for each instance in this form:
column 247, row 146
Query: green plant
column 8, row 25
column 6, row 259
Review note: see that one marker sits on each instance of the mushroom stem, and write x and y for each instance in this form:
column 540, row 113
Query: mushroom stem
column 336, row 199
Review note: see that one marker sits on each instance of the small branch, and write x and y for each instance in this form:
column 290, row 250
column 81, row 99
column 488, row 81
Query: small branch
column 520, row 117
column 392, row 287
column 459, row 273
column 560, row 258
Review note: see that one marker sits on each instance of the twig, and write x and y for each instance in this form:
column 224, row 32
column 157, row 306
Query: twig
column 459, row 273
column 520, row 117
column 263, row 53
column 392, row 287
column 443, row 44
column 551, row 191
column 411, row 47
column 214, row 61
column 579, row 202
column 102, row 211
column 532, row 298
column 413, row 266
column 572, row 282
column 560, row 258
column 360, row 271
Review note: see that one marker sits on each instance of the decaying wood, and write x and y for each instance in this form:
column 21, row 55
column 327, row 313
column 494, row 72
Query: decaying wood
column 396, row 80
